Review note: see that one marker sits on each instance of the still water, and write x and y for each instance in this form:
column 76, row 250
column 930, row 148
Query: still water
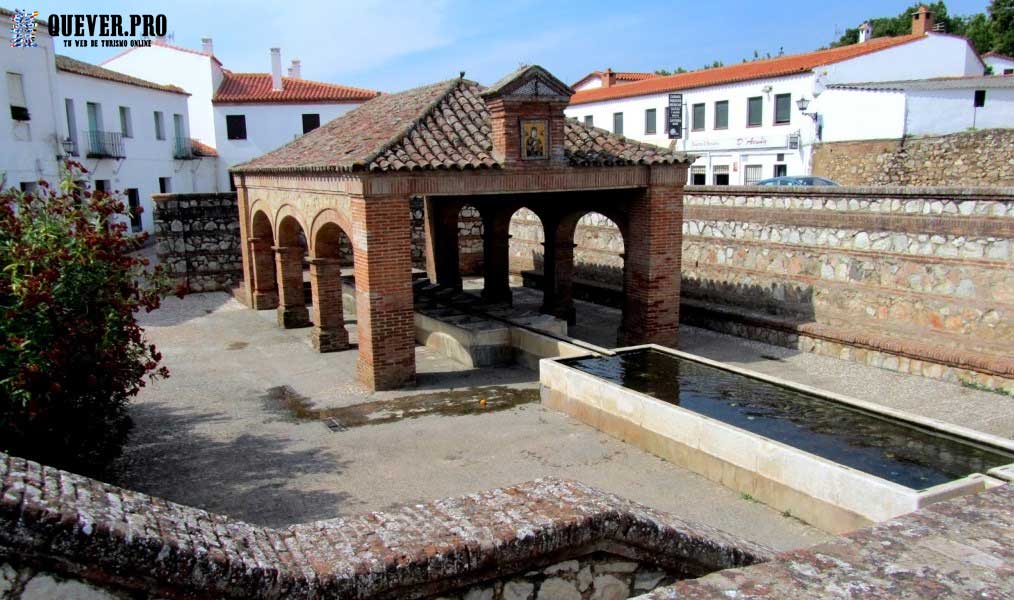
column 890, row 449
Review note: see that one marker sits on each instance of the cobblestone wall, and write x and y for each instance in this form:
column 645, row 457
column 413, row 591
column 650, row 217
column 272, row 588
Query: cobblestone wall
column 919, row 280
column 64, row 533
column 197, row 239
column 975, row 158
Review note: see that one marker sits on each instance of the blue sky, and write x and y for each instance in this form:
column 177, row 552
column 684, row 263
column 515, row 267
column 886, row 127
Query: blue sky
column 393, row 45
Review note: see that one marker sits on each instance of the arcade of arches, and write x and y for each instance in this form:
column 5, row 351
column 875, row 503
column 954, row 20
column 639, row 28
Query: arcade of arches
column 455, row 145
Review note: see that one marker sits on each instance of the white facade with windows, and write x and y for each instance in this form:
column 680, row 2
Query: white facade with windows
column 266, row 125
column 75, row 110
column 754, row 129
column 999, row 64
column 264, row 128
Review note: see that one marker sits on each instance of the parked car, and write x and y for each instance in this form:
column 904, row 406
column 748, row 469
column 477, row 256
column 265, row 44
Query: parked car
column 796, row 180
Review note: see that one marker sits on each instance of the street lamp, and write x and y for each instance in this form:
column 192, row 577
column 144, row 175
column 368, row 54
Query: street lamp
column 802, row 103
column 68, row 146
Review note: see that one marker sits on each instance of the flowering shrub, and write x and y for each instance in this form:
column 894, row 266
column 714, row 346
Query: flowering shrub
column 71, row 352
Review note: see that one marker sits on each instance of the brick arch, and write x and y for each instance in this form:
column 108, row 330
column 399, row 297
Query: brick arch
column 287, row 218
column 321, row 220
column 261, row 226
column 327, row 241
column 264, row 206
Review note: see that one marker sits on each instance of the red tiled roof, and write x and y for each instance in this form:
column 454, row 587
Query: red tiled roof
column 443, row 126
column 202, row 149
column 255, row 88
column 163, row 44
column 772, row 67
column 621, row 77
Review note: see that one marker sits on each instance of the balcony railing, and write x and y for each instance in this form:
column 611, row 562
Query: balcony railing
column 183, row 148
column 104, row 144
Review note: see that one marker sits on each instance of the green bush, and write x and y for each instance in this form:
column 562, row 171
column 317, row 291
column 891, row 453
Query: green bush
column 71, row 352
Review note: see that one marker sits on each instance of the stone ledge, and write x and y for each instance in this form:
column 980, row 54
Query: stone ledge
column 963, row 193
column 79, row 527
column 954, row 549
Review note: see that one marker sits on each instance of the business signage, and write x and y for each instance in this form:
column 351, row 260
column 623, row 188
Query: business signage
column 674, row 116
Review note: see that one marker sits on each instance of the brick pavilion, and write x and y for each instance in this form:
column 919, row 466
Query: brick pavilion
column 452, row 143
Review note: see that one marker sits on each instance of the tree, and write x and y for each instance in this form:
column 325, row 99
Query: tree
column 71, row 351
column 979, row 31
column 1001, row 15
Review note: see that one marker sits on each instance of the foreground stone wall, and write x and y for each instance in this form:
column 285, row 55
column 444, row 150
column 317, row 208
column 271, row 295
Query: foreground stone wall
column 919, row 280
column 61, row 532
column 197, row 239
column 972, row 158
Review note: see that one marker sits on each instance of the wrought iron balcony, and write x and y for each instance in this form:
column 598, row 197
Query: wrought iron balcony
column 183, row 148
column 104, row 144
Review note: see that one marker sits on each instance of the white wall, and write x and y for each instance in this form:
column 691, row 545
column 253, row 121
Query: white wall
column 734, row 147
column 28, row 150
column 999, row 64
column 936, row 112
column 591, row 84
column 936, row 55
column 198, row 74
column 147, row 158
column 861, row 114
column 268, row 126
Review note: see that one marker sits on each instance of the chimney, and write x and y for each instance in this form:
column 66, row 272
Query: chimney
column 865, row 32
column 608, row 78
column 294, row 71
column 276, row 69
column 922, row 21
column 207, row 47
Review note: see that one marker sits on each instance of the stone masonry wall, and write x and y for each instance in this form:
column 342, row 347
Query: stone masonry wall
column 67, row 536
column 972, row 158
column 197, row 239
column 919, row 280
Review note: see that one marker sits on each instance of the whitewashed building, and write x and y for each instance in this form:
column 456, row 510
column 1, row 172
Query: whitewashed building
column 999, row 64
column 241, row 115
column 760, row 119
column 895, row 109
column 131, row 134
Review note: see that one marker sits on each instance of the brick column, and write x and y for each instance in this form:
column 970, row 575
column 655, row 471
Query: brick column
column 264, row 286
column 652, row 262
column 383, row 265
column 496, row 257
column 329, row 334
column 292, row 312
column 558, row 270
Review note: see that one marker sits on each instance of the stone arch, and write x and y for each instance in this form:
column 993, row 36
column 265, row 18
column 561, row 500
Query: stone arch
column 599, row 249
column 525, row 249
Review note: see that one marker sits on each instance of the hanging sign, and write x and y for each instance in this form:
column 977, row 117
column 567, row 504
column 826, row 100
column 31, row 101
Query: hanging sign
column 674, row 116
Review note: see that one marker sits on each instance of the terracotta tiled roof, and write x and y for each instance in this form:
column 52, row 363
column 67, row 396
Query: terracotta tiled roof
column 164, row 44
column 773, row 67
column 620, row 76
column 255, row 88
column 443, row 126
column 202, row 149
column 71, row 65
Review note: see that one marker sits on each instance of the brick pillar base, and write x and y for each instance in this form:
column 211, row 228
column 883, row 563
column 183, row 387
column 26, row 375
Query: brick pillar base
column 383, row 266
column 292, row 313
column 496, row 286
column 264, row 288
column 652, row 267
column 329, row 334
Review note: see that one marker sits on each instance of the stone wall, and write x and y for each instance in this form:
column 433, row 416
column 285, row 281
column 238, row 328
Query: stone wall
column 919, row 280
column 197, row 239
column 64, row 533
column 972, row 158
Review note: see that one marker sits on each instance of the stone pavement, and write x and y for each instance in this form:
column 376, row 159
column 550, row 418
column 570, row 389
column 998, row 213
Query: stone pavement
column 254, row 424
column 236, row 429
